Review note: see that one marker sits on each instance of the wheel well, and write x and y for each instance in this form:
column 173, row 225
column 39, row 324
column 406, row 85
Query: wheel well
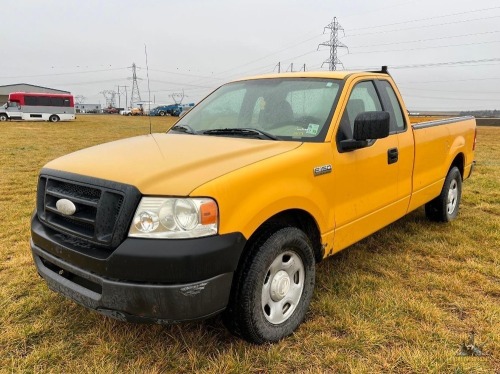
column 459, row 162
column 295, row 218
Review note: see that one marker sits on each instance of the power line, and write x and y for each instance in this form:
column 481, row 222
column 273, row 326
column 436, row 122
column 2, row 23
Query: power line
column 180, row 83
column 430, row 47
column 270, row 54
column 431, row 64
column 419, row 27
column 426, row 18
column 426, row 40
column 182, row 74
column 58, row 74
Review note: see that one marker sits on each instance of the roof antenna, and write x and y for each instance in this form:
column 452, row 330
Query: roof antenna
column 149, row 91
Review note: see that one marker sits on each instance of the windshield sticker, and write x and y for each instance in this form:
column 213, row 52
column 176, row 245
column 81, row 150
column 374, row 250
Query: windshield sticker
column 312, row 129
column 329, row 84
column 299, row 132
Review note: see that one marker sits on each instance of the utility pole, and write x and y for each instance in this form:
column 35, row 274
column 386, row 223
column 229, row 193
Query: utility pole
column 135, row 96
column 291, row 67
column 304, row 67
column 120, row 94
column 279, row 67
column 333, row 43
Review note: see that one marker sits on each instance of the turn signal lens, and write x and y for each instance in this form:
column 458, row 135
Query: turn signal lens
column 208, row 213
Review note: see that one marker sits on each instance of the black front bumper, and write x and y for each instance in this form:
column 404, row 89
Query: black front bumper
column 142, row 280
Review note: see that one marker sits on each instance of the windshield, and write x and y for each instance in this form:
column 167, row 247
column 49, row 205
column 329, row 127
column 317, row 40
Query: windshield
column 286, row 109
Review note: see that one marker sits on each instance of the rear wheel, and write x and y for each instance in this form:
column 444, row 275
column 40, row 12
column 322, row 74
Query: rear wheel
column 54, row 118
column 162, row 113
column 3, row 117
column 444, row 208
column 272, row 287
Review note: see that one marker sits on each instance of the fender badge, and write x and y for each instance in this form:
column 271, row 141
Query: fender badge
column 320, row 170
column 65, row 207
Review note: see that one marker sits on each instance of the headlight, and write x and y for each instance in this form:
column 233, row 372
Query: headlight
column 175, row 218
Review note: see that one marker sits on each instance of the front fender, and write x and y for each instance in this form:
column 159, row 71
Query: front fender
column 249, row 196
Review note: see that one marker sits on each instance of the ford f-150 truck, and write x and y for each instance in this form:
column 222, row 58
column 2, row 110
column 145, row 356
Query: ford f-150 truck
column 230, row 210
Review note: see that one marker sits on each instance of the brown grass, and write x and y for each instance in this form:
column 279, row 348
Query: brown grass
column 402, row 300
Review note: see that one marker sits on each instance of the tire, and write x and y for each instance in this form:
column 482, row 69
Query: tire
column 162, row 113
column 272, row 287
column 129, row 114
column 54, row 118
column 3, row 117
column 444, row 208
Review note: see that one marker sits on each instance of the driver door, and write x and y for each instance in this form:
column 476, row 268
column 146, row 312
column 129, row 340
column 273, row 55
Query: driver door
column 366, row 181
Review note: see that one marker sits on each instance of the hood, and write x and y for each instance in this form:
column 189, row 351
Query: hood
column 169, row 164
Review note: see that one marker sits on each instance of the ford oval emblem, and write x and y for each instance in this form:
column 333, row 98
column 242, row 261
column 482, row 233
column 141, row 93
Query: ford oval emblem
column 65, row 207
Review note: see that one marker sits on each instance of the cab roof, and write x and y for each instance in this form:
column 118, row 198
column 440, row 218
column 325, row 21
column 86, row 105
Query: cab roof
column 337, row 74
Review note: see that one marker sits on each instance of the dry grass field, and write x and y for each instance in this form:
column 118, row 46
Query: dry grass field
column 401, row 301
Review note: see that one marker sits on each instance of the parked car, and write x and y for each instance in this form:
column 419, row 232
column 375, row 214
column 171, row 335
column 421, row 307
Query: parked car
column 167, row 110
column 110, row 110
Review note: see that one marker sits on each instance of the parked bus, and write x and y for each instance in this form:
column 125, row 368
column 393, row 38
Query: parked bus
column 38, row 107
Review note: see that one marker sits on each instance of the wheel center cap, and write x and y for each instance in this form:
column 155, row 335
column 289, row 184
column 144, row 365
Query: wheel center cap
column 280, row 285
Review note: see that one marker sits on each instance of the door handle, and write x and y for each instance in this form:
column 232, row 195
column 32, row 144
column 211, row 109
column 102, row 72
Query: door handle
column 392, row 156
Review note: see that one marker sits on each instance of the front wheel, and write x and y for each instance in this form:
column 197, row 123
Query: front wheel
column 444, row 208
column 54, row 118
column 3, row 117
column 272, row 287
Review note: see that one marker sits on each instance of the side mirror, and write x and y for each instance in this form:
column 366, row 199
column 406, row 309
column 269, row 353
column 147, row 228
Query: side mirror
column 367, row 126
column 371, row 125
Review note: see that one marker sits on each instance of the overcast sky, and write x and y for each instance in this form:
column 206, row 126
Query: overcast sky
column 443, row 54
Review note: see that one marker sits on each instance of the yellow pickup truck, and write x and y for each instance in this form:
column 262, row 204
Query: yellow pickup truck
column 230, row 210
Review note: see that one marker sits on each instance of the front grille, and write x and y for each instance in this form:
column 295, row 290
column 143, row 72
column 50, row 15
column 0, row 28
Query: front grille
column 103, row 209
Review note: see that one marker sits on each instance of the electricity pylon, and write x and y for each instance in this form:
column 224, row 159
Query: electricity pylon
column 334, row 43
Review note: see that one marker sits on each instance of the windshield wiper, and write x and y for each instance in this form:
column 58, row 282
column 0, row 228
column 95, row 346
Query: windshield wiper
column 183, row 128
column 241, row 132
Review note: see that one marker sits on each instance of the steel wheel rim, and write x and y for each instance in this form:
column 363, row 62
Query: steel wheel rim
column 282, row 287
column 452, row 197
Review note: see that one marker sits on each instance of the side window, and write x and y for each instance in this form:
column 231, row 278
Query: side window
column 56, row 101
column 363, row 98
column 397, row 119
column 44, row 101
column 31, row 100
